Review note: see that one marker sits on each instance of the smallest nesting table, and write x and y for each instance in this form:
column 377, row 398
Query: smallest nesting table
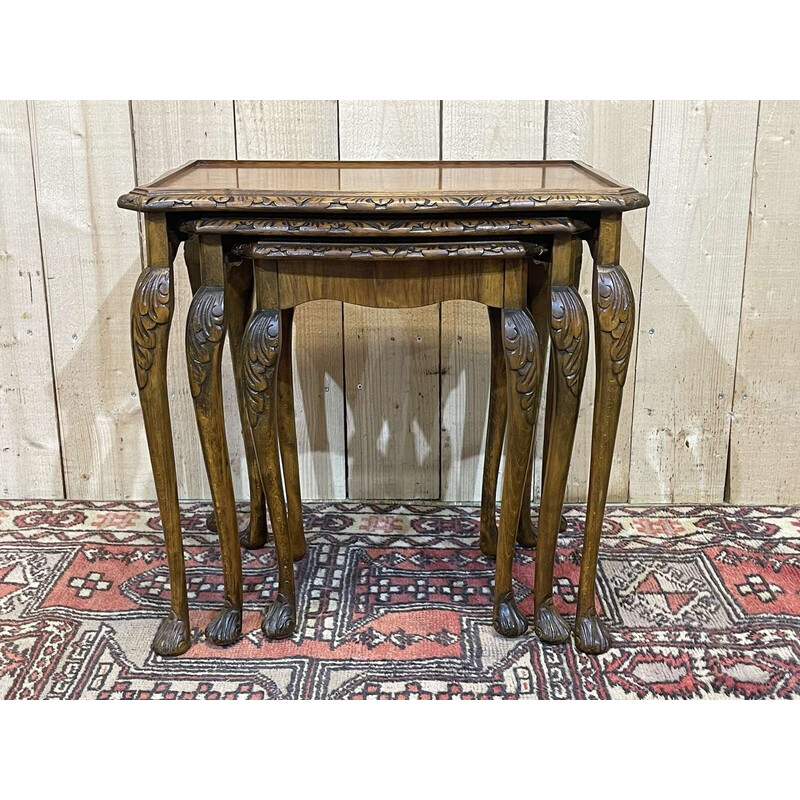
column 389, row 235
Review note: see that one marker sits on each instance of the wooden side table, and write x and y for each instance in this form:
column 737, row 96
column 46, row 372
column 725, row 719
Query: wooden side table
column 497, row 274
column 465, row 198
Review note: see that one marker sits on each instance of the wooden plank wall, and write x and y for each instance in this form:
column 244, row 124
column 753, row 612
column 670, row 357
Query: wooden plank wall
column 393, row 404
column 30, row 452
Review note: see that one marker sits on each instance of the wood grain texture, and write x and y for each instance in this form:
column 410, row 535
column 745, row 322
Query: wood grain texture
column 287, row 129
column 491, row 129
column 83, row 158
column 30, row 457
column 765, row 427
column 307, row 129
column 391, row 357
column 702, row 162
column 168, row 133
column 700, row 180
column 613, row 136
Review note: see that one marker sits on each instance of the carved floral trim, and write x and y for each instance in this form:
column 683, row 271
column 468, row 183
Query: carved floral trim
column 138, row 200
column 151, row 308
column 524, row 358
column 614, row 311
column 569, row 334
column 205, row 330
column 263, row 250
column 384, row 227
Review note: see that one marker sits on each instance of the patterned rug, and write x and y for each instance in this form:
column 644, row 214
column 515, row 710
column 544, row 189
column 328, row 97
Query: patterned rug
column 394, row 601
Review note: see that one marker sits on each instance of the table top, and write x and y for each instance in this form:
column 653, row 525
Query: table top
column 383, row 187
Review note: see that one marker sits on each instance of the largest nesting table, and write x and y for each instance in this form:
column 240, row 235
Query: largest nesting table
column 258, row 213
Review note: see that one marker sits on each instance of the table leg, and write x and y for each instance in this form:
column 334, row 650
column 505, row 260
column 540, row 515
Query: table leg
column 527, row 532
column 495, row 430
column 261, row 350
column 151, row 317
column 613, row 309
column 538, row 303
column 569, row 334
column 206, row 326
column 191, row 255
column 238, row 302
column 287, row 434
column 523, row 355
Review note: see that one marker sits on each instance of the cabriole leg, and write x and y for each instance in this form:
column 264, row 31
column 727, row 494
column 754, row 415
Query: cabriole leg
column 151, row 316
column 523, row 381
column 528, row 531
column 191, row 255
column 569, row 337
column 261, row 352
column 613, row 308
column 495, row 430
column 205, row 340
column 537, row 299
column 238, row 302
column 287, row 433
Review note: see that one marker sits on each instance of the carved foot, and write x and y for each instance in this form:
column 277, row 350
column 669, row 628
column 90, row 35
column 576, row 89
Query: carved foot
column 172, row 636
column 488, row 540
column 591, row 634
column 279, row 619
column 549, row 625
column 527, row 532
column 250, row 541
column 226, row 627
column 508, row 621
column 211, row 522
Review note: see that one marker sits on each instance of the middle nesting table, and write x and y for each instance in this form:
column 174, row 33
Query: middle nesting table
column 389, row 265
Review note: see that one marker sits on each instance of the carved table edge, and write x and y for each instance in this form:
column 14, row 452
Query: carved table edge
column 238, row 200
column 501, row 249
column 303, row 226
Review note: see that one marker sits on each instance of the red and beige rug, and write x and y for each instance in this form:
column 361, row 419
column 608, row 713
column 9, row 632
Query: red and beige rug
column 394, row 601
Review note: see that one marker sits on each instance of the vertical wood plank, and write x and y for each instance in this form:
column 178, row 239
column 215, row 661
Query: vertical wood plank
column 30, row 453
column 166, row 134
column 391, row 356
column 613, row 136
column 475, row 129
column 700, row 180
column 83, row 159
column 765, row 427
column 287, row 129
column 307, row 129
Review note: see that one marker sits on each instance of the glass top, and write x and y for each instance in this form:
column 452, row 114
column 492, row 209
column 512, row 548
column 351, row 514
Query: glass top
column 383, row 187
column 376, row 177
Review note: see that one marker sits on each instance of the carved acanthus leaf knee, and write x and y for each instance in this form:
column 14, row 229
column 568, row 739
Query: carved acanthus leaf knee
column 524, row 358
column 205, row 329
column 614, row 310
column 261, row 347
column 569, row 335
column 151, row 307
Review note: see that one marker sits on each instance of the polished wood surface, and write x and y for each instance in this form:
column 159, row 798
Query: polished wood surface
column 529, row 284
column 613, row 310
column 414, row 187
column 282, row 281
column 238, row 303
column 367, row 228
column 569, row 336
column 206, row 329
column 151, row 317
column 90, row 254
column 287, row 435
